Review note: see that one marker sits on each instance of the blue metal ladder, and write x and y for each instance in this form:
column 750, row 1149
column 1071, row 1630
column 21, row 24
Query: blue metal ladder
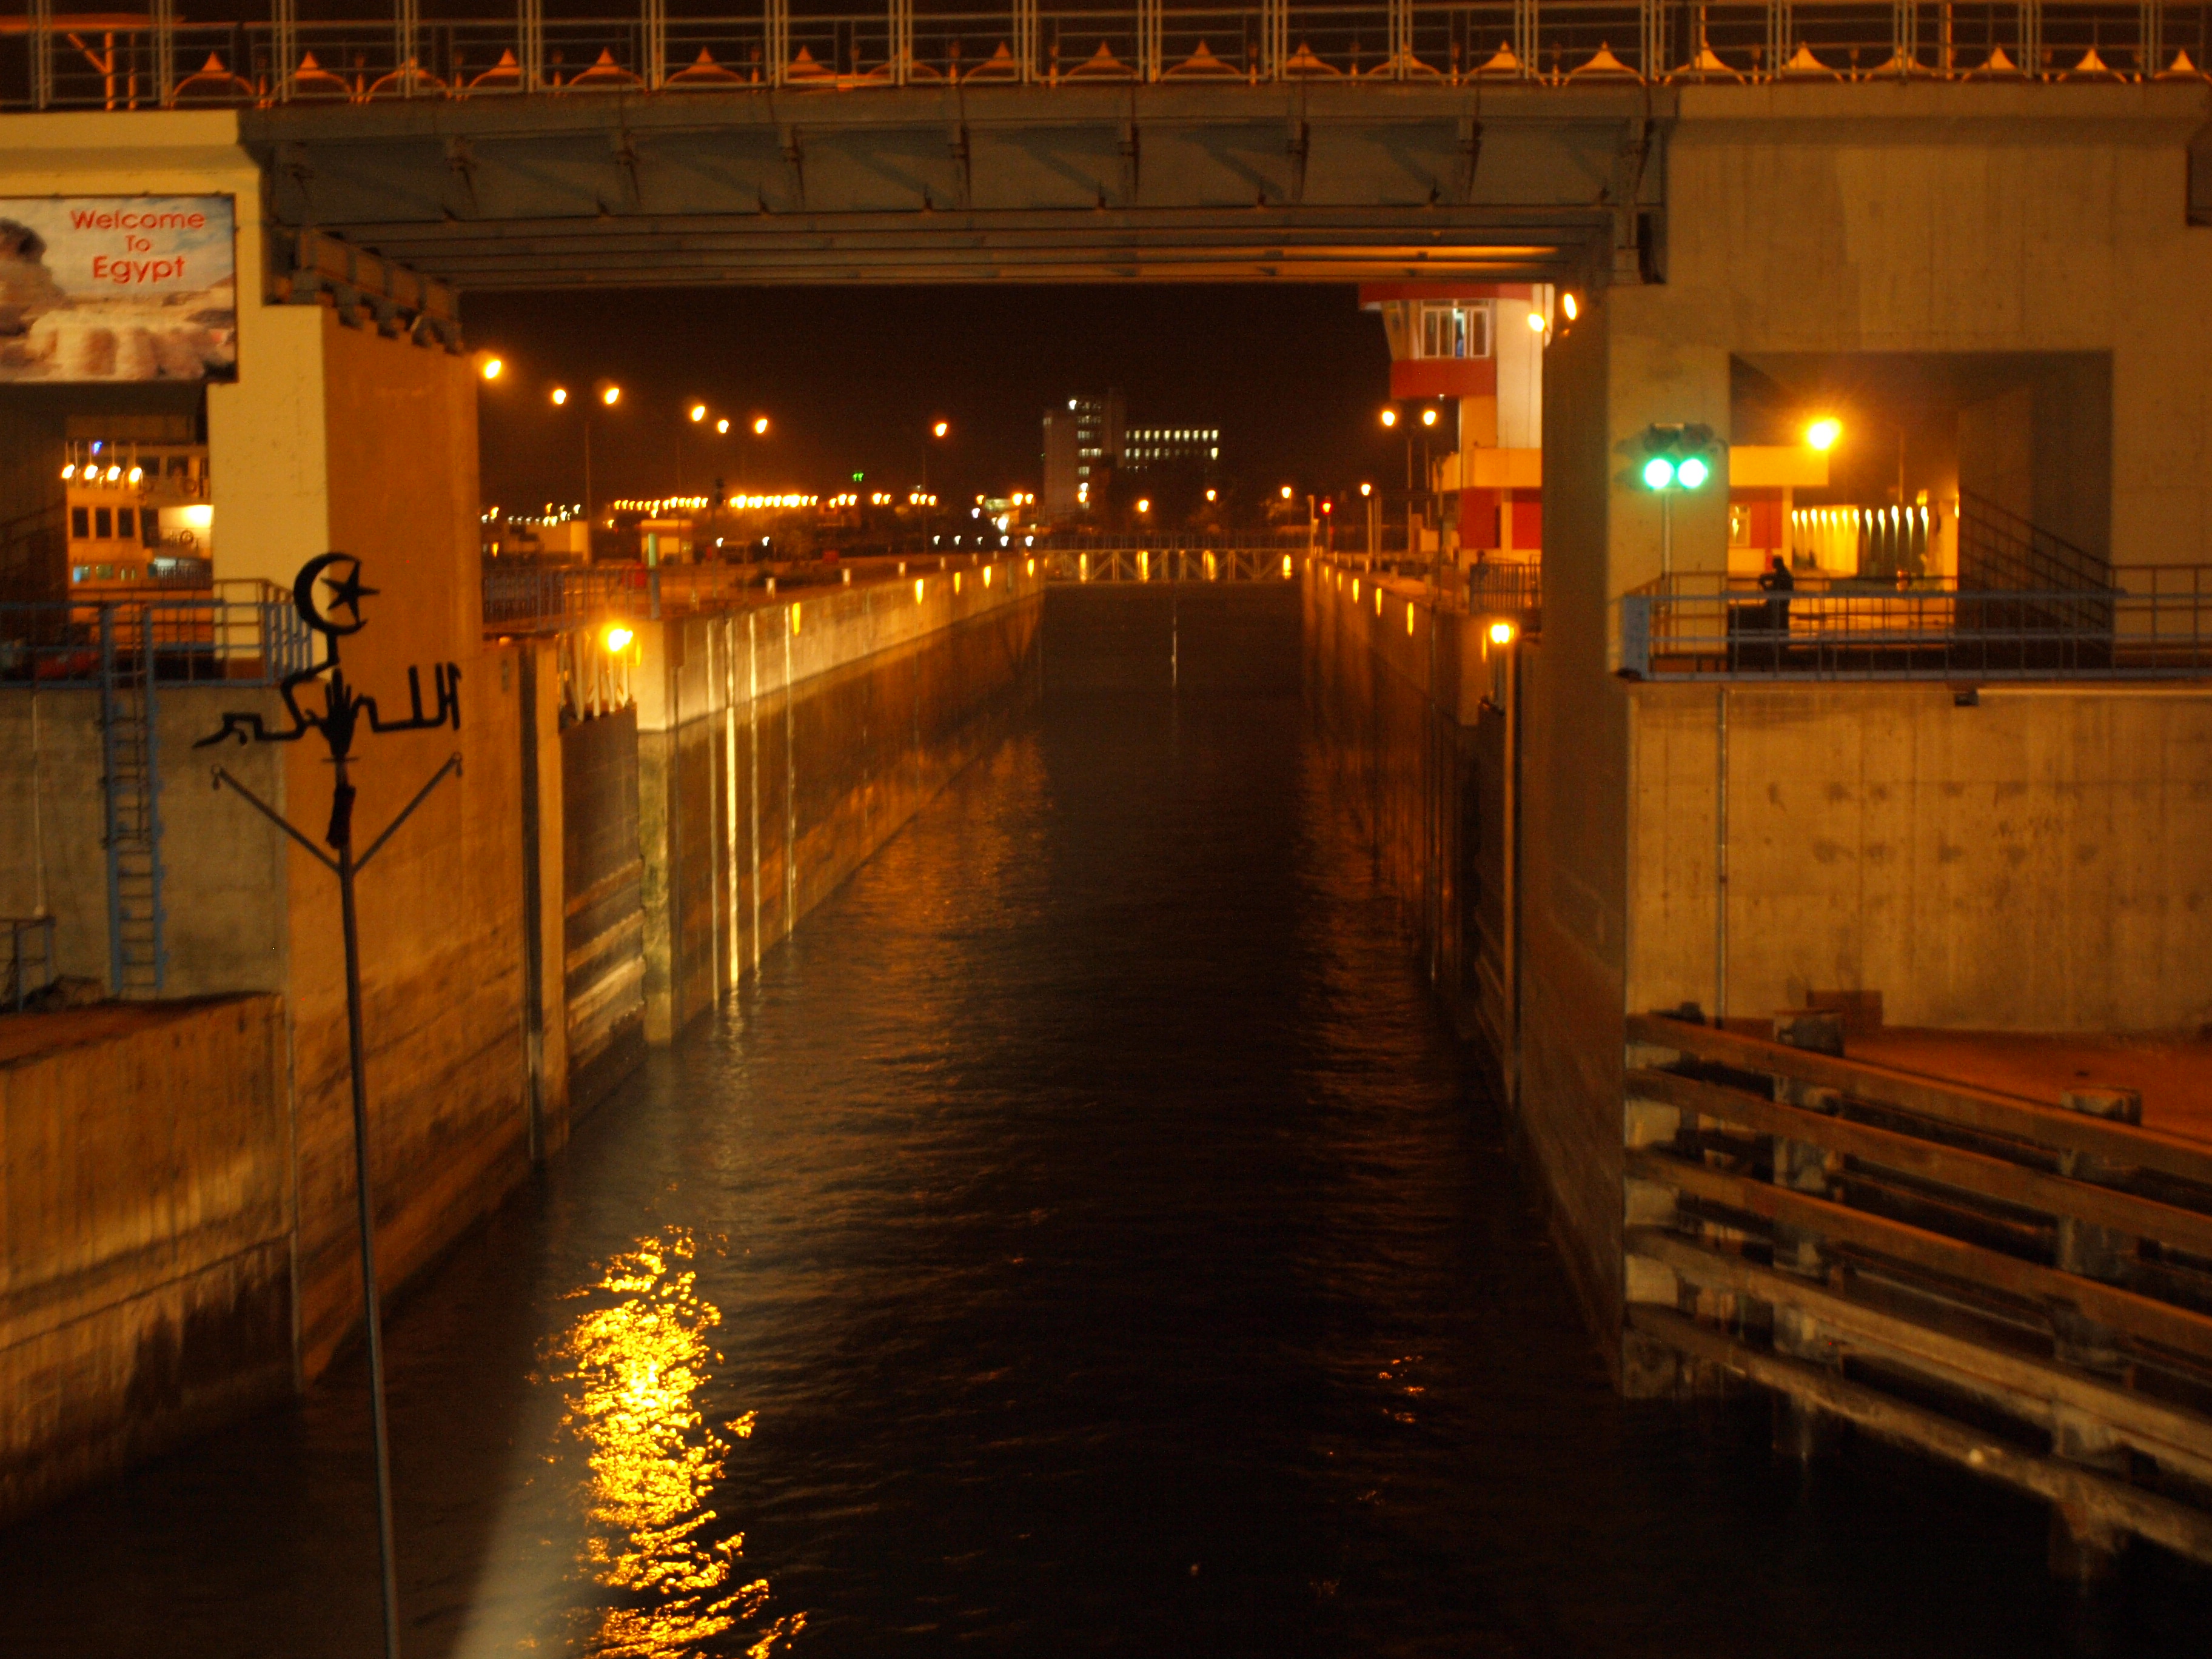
column 138, row 959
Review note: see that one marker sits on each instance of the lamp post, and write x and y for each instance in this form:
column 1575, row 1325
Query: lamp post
column 606, row 394
column 938, row 431
column 1428, row 491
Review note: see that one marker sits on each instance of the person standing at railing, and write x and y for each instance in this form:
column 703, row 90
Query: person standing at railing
column 1777, row 582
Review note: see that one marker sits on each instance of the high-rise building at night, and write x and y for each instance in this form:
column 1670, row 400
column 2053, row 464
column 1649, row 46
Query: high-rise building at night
column 1082, row 443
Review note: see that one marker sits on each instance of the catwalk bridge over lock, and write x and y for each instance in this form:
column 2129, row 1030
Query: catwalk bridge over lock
column 1383, row 141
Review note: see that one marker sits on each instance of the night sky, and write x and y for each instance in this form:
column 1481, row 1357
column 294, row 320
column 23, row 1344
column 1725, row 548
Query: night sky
column 853, row 376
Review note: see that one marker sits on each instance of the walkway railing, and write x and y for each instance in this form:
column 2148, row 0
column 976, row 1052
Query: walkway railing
column 521, row 598
column 239, row 632
column 1295, row 540
column 2023, row 1289
column 2156, row 622
column 1170, row 564
column 27, row 958
column 119, row 61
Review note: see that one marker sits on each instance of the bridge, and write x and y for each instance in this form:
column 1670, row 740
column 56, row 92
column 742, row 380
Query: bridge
column 1358, row 143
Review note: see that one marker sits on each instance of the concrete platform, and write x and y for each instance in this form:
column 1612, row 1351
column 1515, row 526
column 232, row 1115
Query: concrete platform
column 2174, row 1075
column 24, row 1036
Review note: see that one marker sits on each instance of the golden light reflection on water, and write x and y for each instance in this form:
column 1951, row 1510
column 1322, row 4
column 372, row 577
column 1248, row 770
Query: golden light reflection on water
column 632, row 1365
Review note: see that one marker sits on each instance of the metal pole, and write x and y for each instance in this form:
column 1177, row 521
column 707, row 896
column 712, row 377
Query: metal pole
column 590, row 512
column 1509, row 850
column 372, row 1308
column 1666, row 533
column 1720, row 859
column 341, row 837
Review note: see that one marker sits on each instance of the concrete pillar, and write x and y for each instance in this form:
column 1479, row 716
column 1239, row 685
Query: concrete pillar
column 1667, row 365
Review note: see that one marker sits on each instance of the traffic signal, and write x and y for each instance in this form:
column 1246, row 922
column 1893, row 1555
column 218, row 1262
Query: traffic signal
column 1678, row 457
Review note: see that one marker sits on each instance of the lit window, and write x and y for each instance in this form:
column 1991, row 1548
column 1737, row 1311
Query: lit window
column 1454, row 329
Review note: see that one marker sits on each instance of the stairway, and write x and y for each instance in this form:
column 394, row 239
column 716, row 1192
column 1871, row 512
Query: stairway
column 138, row 959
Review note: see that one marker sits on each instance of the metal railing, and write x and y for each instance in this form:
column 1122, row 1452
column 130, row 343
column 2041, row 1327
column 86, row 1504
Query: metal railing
column 245, row 633
column 1296, row 540
column 1506, row 587
column 116, row 61
column 2155, row 622
column 29, row 949
column 2020, row 1288
column 524, row 598
column 1170, row 564
column 1501, row 588
column 1999, row 550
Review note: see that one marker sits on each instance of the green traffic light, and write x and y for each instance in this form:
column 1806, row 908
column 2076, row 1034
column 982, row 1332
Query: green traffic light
column 1692, row 471
column 1658, row 472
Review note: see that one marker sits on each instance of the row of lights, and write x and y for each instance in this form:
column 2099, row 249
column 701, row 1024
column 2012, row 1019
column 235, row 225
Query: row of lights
column 91, row 474
column 1859, row 518
column 618, row 638
column 1500, row 631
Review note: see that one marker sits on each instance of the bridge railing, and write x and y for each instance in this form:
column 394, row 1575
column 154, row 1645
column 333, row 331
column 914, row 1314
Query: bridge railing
column 119, row 61
column 521, row 598
column 1158, row 564
column 1243, row 541
column 2154, row 622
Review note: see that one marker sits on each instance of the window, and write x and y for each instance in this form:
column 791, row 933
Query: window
column 1458, row 328
column 81, row 522
column 126, row 522
column 103, row 523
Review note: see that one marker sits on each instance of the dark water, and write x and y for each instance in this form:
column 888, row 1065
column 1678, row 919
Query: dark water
column 1084, row 1240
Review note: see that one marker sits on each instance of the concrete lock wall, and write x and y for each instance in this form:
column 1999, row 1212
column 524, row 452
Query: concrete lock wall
column 1854, row 221
column 779, row 747
column 1406, row 712
column 2035, row 862
column 145, row 1234
column 601, row 942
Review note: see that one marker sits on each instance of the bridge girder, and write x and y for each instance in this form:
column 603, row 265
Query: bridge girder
column 947, row 184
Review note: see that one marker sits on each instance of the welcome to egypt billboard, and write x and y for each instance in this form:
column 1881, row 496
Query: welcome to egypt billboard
column 118, row 288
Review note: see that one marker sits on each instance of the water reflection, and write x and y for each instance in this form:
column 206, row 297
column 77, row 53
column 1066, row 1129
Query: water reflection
column 630, row 1367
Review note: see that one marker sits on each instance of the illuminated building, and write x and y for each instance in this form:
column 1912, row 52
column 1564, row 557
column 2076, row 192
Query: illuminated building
column 1082, row 446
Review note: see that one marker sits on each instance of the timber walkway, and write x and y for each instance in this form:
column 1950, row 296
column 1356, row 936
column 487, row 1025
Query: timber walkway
column 2019, row 1286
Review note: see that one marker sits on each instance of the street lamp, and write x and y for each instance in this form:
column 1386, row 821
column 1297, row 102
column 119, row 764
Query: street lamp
column 937, row 431
column 491, row 367
column 1390, row 418
column 609, row 395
